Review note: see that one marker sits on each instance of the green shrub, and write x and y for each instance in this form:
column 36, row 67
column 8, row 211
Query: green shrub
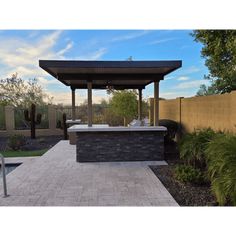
column 221, row 161
column 192, row 147
column 172, row 128
column 15, row 142
column 42, row 140
column 188, row 174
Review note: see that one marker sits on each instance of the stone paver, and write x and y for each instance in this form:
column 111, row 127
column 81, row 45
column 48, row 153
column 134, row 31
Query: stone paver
column 15, row 160
column 56, row 179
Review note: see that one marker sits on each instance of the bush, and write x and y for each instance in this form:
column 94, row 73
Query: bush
column 15, row 142
column 221, row 161
column 192, row 147
column 188, row 174
column 172, row 128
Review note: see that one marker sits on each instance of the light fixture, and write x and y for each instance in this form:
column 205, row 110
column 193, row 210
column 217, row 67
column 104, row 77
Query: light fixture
column 109, row 87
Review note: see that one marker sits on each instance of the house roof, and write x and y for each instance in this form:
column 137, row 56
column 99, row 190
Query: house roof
column 119, row 74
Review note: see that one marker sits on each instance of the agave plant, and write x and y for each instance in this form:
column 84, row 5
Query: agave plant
column 221, row 161
column 193, row 145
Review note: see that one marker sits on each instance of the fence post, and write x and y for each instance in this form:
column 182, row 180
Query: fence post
column 180, row 130
column 9, row 118
column 51, row 117
column 179, row 109
column 233, row 110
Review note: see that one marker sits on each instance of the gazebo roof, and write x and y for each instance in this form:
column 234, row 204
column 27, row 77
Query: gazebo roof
column 119, row 74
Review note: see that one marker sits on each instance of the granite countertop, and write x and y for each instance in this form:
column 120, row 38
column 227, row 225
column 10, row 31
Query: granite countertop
column 106, row 128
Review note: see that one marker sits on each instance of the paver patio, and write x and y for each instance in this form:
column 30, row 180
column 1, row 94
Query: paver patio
column 56, row 179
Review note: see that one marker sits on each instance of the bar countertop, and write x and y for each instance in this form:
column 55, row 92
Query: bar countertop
column 106, row 128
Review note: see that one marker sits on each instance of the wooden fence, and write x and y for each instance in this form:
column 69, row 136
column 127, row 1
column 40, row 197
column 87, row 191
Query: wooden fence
column 215, row 111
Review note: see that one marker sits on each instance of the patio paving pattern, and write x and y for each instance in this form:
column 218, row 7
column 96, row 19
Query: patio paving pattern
column 56, row 179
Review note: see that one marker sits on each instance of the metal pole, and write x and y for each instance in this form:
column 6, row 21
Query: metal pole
column 4, row 177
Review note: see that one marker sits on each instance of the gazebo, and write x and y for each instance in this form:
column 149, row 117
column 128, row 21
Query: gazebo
column 103, row 143
column 117, row 75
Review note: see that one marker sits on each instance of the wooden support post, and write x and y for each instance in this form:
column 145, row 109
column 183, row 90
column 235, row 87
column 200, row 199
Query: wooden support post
column 140, row 104
column 156, row 103
column 151, row 111
column 73, row 102
column 90, row 116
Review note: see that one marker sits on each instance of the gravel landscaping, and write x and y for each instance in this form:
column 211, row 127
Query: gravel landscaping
column 41, row 142
column 184, row 193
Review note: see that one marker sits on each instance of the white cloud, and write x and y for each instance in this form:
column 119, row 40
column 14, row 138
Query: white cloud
column 45, row 82
column 190, row 84
column 130, row 36
column 175, row 94
column 183, row 78
column 21, row 70
column 161, row 41
column 190, row 70
column 21, row 56
column 169, row 77
column 93, row 55
column 66, row 49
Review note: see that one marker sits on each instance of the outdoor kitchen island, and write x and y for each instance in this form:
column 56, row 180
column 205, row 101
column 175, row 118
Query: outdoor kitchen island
column 106, row 144
column 114, row 143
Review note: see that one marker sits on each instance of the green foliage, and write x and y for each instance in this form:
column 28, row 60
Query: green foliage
column 124, row 103
column 15, row 142
column 188, row 174
column 206, row 90
column 215, row 151
column 112, row 118
column 20, row 93
column 221, row 161
column 219, row 50
column 103, row 113
column 99, row 112
column 23, row 153
column 145, row 108
column 192, row 147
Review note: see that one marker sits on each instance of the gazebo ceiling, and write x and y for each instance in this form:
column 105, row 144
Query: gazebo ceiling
column 119, row 74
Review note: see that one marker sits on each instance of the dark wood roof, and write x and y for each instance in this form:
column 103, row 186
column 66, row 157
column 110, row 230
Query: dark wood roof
column 119, row 74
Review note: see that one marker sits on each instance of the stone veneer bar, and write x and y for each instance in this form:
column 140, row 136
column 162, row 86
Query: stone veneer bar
column 105, row 144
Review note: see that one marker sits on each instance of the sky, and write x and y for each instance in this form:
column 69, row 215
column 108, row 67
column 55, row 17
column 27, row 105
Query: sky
column 21, row 50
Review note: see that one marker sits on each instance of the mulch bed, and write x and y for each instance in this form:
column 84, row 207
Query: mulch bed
column 41, row 142
column 184, row 194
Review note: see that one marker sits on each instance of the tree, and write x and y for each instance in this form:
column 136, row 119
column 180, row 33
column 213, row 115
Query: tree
column 124, row 103
column 219, row 50
column 204, row 90
column 17, row 92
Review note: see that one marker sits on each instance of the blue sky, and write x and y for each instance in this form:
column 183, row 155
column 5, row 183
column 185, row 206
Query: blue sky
column 20, row 51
